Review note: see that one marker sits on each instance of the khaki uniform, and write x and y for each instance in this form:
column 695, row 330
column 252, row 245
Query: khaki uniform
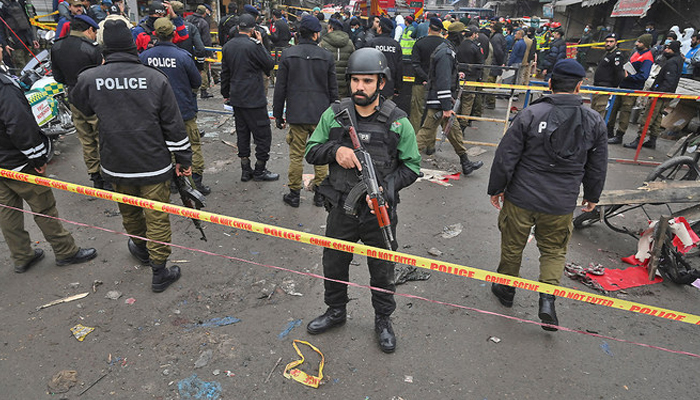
column 417, row 106
column 428, row 133
column 466, row 105
column 296, row 139
column 86, row 127
column 599, row 102
column 196, row 142
column 40, row 199
column 623, row 105
column 152, row 224
column 656, row 117
column 552, row 233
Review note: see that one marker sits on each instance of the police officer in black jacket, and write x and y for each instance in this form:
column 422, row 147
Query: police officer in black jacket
column 469, row 56
column 609, row 73
column 306, row 81
column 666, row 81
column 394, row 56
column 141, row 129
column 70, row 55
column 552, row 147
column 244, row 62
column 24, row 148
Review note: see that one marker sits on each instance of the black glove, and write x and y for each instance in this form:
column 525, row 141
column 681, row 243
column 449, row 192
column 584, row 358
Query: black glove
column 279, row 123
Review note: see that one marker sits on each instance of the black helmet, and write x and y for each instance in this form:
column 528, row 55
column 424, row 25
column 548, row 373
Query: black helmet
column 367, row 61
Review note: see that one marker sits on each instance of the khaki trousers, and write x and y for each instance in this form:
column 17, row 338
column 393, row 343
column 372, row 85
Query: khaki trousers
column 151, row 224
column 88, row 135
column 656, row 117
column 417, row 106
column 599, row 102
column 40, row 199
column 623, row 105
column 196, row 143
column 552, row 233
column 428, row 133
column 296, row 139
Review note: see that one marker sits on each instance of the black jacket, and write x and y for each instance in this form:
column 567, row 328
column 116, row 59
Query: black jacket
column 203, row 28
column 609, row 72
column 484, row 42
column 243, row 63
column 281, row 36
column 21, row 142
column 306, row 81
column 443, row 79
column 557, row 51
column 541, row 168
column 140, row 122
column 498, row 42
column 71, row 54
column 669, row 76
column 226, row 25
column 420, row 58
column 394, row 56
column 469, row 52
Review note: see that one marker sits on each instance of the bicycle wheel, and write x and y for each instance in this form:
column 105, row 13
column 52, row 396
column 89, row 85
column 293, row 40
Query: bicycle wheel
column 681, row 168
column 587, row 219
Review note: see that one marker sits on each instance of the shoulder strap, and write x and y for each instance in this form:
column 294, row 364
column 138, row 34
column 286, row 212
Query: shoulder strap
column 385, row 112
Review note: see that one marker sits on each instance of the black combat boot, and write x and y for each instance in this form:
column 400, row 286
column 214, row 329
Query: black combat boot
column 385, row 333
column 611, row 132
column 468, row 166
column 262, row 174
column 139, row 252
column 246, row 170
column 163, row 277
column 81, row 256
column 617, row 139
column 205, row 95
column 631, row 145
column 203, row 189
column 547, row 313
column 650, row 143
column 38, row 256
column 292, row 198
column 334, row 316
column 504, row 293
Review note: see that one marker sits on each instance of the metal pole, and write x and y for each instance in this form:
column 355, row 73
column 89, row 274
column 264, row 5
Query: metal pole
column 646, row 128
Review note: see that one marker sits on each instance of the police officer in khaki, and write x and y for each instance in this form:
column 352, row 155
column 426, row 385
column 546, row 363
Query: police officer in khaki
column 551, row 148
column 306, row 82
column 141, row 128
column 24, row 148
column 70, row 55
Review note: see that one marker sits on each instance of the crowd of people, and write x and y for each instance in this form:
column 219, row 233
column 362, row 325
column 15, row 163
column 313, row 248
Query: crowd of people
column 133, row 91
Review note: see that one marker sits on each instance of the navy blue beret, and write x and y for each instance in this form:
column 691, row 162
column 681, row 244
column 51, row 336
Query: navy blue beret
column 311, row 23
column 87, row 20
column 569, row 68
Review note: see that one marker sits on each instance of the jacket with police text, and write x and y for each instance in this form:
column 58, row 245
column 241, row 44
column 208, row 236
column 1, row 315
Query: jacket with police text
column 139, row 121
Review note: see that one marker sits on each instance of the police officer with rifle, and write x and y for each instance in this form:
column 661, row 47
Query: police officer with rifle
column 385, row 149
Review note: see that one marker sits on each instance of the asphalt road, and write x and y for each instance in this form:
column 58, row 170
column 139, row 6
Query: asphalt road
column 148, row 349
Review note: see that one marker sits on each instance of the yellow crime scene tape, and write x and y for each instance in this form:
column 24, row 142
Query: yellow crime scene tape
column 571, row 46
column 50, row 26
column 357, row 248
column 300, row 376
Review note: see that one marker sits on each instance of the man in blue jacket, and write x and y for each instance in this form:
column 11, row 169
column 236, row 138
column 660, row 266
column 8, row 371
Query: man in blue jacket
column 185, row 79
column 553, row 146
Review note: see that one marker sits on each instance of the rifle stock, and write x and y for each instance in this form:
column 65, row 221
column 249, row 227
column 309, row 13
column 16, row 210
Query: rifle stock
column 191, row 198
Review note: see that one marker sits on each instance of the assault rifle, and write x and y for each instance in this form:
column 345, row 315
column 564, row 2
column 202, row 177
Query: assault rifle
column 368, row 184
column 451, row 120
column 191, row 198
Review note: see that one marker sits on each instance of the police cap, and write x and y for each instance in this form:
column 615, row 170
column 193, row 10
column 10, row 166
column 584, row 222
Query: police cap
column 311, row 23
column 91, row 22
column 246, row 21
column 569, row 68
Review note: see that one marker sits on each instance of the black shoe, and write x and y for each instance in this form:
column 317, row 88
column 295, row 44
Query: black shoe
column 205, row 95
column 163, row 277
column 547, row 313
column 334, row 316
column 429, row 151
column 38, row 256
column 262, row 174
column 203, row 189
column 319, row 199
column 468, row 166
column 631, row 145
column 617, row 139
column 650, row 143
column 504, row 293
column 246, row 170
column 140, row 252
column 385, row 333
column 80, row 257
column 292, row 198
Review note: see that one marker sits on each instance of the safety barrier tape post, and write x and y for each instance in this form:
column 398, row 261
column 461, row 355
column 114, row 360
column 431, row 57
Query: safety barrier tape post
column 357, row 248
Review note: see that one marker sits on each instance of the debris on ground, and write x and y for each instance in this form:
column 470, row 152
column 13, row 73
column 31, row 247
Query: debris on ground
column 229, row 373
column 436, row 176
column 63, row 300
column 216, row 372
column 408, row 379
column 204, row 359
column 288, row 286
column 62, row 381
column 193, row 388
column 213, row 322
column 606, row 348
column 494, row 339
column 80, row 331
column 290, row 325
column 407, row 273
column 451, row 231
column 95, row 284
column 290, row 372
column 113, row 295
column 434, row 252
column 279, row 360
column 130, row 301
column 73, row 285
column 475, row 151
